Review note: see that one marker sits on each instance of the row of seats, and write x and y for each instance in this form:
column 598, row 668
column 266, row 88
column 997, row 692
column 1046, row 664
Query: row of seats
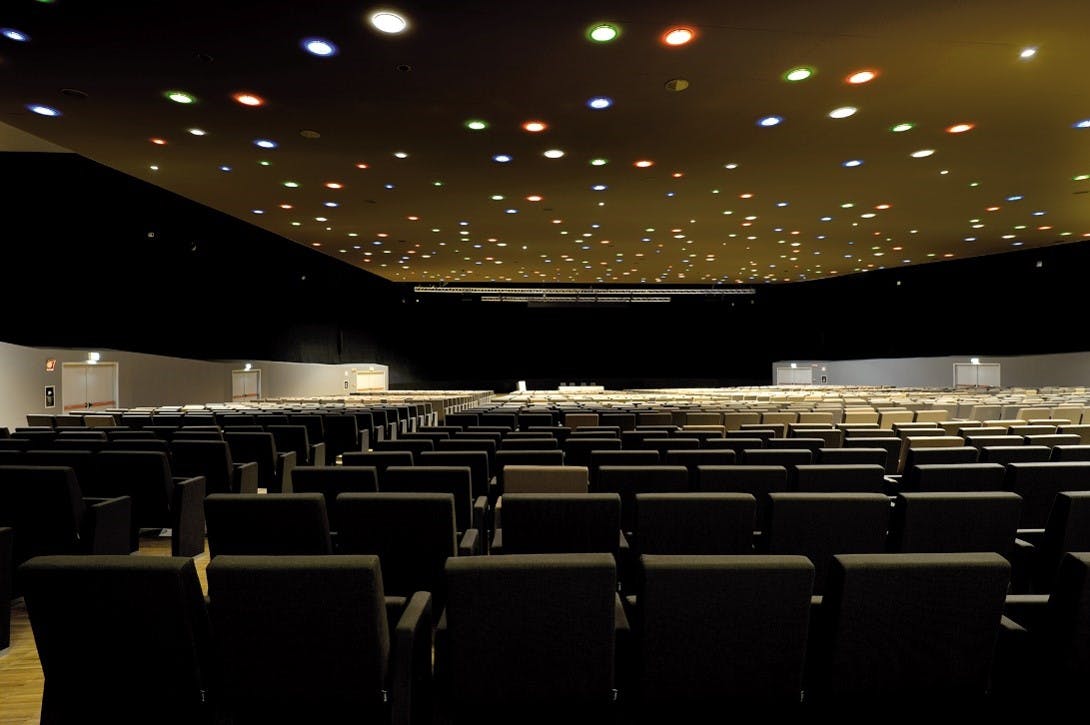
column 536, row 638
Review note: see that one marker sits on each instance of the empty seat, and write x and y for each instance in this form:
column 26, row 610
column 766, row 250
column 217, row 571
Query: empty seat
column 908, row 629
column 694, row 523
column 380, row 460
column 546, row 479
column 1055, row 439
column 342, row 435
column 1038, row 484
column 296, row 438
column 953, row 522
column 1014, row 454
column 629, row 481
column 891, row 444
column 273, row 467
column 212, row 459
column 758, row 481
column 853, row 456
column 810, row 444
column 275, row 523
column 415, row 446
column 559, row 523
column 577, row 450
column 1070, row 453
column 830, row 438
column 781, row 457
column 716, row 631
column 476, row 461
column 523, row 458
column 979, row 441
column 820, row 525
column 121, row 639
column 734, row 421
column 455, row 480
column 954, row 477
column 529, row 637
column 331, row 481
column 578, row 420
column 621, row 458
column 733, row 444
column 849, row 478
column 332, row 651
column 692, row 459
column 529, row 444
column 956, row 454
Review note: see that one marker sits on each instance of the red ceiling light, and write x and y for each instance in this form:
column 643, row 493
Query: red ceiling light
column 249, row 99
column 158, row 141
column 678, row 36
column 362, row 165
column 534, row 126
column 861, row 76
column 961, row 127
column 334, row 185
column 644, row 164
column 677, row 174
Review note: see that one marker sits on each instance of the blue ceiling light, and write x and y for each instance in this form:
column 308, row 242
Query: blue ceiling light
column 12, row 34
column 41, row 110
column 320, row 47
column 599, row 103
column 501, row 158
column 769, row 121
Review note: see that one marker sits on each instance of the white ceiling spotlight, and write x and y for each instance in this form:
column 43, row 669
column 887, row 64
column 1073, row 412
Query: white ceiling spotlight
column 388, row 21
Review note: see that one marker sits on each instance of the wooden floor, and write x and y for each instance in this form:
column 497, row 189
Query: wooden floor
column 20, row 672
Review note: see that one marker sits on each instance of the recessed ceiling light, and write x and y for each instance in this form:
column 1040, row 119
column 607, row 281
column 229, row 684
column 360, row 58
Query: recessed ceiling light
column 534, row 197
column 862, row 76
column 922, row 153
column 852, row 163
column 153, row 167
column 678, row 36
column 1014, row 197
column 798, row 74
column 511, row 211
column 1027, row 53
column 225, row 169
column 961, row 127
column 730, row 166
column 902, row 127
column 334, row 185
column 643, row 164
column 1085, row 123
column 249, row 99
column 286, row 206
column 12, row 34
column 180, row 97
column 387, row 21
column 599, row 187
column 553, row 154
column 258, row 211
column 330, row 204
column 265, row 143
column 1081, row 177
column 362, row 165
column 599, row 103
column 198, row 132
column 291, row 184
column 768, row 121
column 843, row 112
column 501, row 158
column 476, row 124
column 534, row 126
column 400, row 155
column 603, row 32
column 319, row 46
column 158, row 141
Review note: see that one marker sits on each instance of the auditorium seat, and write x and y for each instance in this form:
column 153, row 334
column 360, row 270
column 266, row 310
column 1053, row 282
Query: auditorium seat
column 758, row 481
column 852, row 456
column 692, row 459
column 630, row 481
column 1038, row 484
column 1015, row 454
column 212, row 459
column 734, row 421
column 380, row 460
column 122, row 639
column 693, row 523
column 820, row 525
column 531, row 478
column 530, row 639
column 523, row 458
column 953, row 477
column 325, row 645
column 620, row 458
column 267, row 524
column 415, row 446
column 1055, row 439
column 342, row 435
column 296, row 438
column 577, row 420
column 733, row 444
column 1070, row 453
column 531, row 444
column 780, row 457
column 454, row 480
column 953, row 522
column 719, row 633
column 1067, row 529
column 892, row 446
column 846, row 478
column 477, row 461
column 558, row 523
column 331, row 481
column 907, row 630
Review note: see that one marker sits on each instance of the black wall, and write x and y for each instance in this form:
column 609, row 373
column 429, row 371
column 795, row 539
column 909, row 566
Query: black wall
column 89, row 254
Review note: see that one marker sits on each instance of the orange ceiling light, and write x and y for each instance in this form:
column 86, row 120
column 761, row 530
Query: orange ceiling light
column 680, row 35
column 249, row 99
column 961, row 127
column 534, row 126
column 860, row 77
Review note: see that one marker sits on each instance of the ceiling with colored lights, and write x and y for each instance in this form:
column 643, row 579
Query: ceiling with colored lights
column 582, row 142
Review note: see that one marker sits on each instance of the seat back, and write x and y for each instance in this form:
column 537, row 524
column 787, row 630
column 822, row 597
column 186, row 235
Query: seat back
column 721, row 629
column 293, row 438
column 476, row 461
column 318, row 645
column 952, row 522
column 820, row 525
column 555, row 523
column 380, row 460
column 1038, row 484
column 546, row 479
column 909, row 628
column 550, row 641
column 630, row 481
column 99, row 621
column 847, row 478
column 694, row 523
column 143, row 475
column 43, row 505
column 331, row 481
column 954, row 477
column 777, row 457
column 758, row 481
column 257, row 448
column 267, row 524
column 454, row 480
column 211, row 459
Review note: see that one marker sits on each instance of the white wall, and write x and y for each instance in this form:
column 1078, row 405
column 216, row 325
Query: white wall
column 154, row 379
column 1022, row 371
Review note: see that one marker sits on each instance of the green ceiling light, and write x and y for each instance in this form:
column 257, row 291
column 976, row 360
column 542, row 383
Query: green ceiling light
column 798, row 74
column 1081, row 177
column 603, row 32
column 902, row 127
column 181, row 97
column 476, row 124
column 599, row 162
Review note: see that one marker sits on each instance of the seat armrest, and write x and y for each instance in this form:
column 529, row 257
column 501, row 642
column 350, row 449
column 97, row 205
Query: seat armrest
column 317, row 455
column 285, row 462
column 1031, row 536
column 625, row 651
column 497, row 542
column 480, row 510
column 1027, row 610
column 365, row 440
column 245, row 477
column 410, row 665
column 891, row 484
column 1023, row 558
column 470, row 544
column 106, row 525
column 187, row 517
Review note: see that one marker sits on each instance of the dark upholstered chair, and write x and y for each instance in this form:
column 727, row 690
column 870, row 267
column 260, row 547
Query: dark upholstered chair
column 273, row 467
column 550, row 523
column 852, row 456
column 121, row 639
column 158, row 500
column 1038, row 484
column 476, row 461
column 758, row 481
column 1067, row 529
column 413, row 534
column 48, row 514
column 1015, row 454
column 415, row 445
column 296, row 438
column 529, row 638
column 953, row 522
column 455, row 480
column 275, row 523
column 694, row 523
column 212, row 459
column 777, row 457
column 331, row 481
column 908, row 630
column 342, row 435
column 628, row 481
column 953, row 477
column 692, row 459
column 717, row 631
column 836, row 478
column 819, row 525
column 324, row 645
